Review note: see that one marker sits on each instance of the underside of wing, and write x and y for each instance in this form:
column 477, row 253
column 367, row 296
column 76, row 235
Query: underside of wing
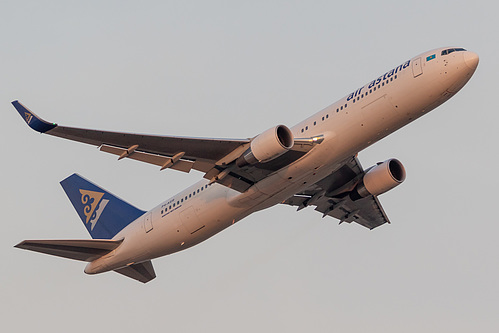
column 158, row 149
column 215, row 157
column 330, row 196
column 77, row 249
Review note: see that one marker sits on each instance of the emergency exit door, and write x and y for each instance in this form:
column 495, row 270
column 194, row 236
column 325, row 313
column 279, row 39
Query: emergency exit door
column 417, row 68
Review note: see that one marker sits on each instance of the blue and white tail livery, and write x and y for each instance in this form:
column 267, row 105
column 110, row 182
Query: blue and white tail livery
column 102, row 213
column 313, row 163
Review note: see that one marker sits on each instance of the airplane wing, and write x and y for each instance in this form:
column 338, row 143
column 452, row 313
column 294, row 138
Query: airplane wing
column 215, row 157
column 77, row 249
column 330, row 197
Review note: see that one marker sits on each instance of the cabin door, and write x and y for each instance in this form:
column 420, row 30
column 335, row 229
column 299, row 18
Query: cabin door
column 148, row 222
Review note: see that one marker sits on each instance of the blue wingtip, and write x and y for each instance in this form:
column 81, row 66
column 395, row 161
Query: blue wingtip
column 33, row 121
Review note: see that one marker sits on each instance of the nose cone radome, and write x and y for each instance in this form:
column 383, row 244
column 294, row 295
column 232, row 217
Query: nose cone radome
column 471, row 59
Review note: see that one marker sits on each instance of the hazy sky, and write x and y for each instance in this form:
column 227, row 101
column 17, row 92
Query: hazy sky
column 233, row 69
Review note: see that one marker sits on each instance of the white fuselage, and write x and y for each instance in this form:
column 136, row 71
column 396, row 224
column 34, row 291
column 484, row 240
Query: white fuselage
column 350, row 125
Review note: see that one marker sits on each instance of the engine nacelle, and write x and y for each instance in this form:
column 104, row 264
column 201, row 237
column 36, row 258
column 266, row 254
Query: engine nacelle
column 266, row 146
column 380, row 179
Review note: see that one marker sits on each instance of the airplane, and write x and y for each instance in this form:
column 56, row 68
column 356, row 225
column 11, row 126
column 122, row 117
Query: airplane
column 313, row 163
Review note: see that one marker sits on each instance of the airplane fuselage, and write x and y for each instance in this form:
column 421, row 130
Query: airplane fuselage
column 353, row 123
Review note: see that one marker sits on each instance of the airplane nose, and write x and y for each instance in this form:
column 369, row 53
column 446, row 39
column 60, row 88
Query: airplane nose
column 471, row 59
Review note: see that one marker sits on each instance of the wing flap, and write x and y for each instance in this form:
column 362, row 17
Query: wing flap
column 159, row 160
column 366, row 212
column 80, row 249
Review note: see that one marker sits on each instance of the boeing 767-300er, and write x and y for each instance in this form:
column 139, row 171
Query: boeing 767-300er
column 313, row 163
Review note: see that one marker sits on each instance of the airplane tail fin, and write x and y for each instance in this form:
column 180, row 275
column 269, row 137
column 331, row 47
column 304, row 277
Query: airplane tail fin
column 102, row 213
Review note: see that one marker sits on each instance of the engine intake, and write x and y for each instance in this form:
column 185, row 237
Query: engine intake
column 268, row 145
column 380, row 179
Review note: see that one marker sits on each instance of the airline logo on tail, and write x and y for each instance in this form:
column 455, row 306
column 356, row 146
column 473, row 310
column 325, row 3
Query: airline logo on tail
column 93, row 206
column 28, row 116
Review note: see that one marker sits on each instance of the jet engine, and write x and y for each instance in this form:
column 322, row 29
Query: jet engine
column 268, row 145
column 379, row 179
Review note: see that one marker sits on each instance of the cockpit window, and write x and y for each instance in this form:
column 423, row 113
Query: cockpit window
column 449, row 51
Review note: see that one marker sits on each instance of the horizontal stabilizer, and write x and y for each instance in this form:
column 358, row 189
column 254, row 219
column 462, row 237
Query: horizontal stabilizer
column 143, row 272
column 77, row 249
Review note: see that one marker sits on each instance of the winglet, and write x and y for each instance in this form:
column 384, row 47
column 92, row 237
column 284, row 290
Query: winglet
column 33, row 121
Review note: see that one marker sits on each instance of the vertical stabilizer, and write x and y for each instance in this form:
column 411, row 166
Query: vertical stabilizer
column 102, row 213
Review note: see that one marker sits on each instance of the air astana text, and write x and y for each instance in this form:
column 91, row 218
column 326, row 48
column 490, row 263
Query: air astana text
column 387, row 75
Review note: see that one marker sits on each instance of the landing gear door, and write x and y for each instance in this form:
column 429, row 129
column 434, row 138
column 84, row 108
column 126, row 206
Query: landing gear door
column 417, row 68
column 190, row 220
